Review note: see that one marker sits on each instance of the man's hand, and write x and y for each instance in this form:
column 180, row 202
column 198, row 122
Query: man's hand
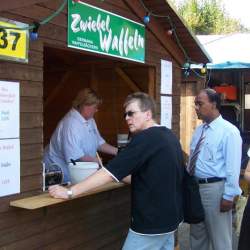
column 226, row 205
column 57, row 191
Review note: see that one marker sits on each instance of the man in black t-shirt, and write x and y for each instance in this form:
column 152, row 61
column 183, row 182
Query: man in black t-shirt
column 152, row 163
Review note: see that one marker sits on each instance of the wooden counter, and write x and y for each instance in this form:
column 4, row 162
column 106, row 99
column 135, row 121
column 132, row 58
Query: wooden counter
column 45, row 200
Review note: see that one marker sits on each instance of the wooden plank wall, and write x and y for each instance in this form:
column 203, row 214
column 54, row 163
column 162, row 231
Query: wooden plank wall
column 188, row 117
column 97, row 222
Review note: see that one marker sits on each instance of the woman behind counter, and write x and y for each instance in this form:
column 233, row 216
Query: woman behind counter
column 76, row 136
column 244, row 240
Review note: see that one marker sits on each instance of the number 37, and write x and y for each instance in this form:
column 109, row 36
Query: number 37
column 4, row 41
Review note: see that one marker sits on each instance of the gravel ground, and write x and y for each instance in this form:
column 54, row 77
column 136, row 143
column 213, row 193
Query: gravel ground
column 183, row 237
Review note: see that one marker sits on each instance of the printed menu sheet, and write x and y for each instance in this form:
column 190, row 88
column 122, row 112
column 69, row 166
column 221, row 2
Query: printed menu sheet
column 9, row 167
column 9, row 138
column 9, row 110
column 166, row 111
column 247, row 101
column 166, row 77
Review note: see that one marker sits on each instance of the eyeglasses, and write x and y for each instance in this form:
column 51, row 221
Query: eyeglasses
column 130, row 113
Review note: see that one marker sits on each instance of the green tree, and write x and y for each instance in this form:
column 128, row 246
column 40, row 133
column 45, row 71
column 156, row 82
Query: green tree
column 206, row 17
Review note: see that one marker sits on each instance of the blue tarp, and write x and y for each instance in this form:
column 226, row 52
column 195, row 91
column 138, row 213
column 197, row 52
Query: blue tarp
column 229, row 65
column 224, row 65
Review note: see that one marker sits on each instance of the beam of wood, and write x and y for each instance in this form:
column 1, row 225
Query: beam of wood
column 127, row 79
column 14, row 4
column 158, row 31
column 94, row 79
column 45, row 200
column 56, row 91
column 94, row 82
column 151, row 82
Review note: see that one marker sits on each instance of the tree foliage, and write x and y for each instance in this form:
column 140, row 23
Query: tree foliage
column 206, row 17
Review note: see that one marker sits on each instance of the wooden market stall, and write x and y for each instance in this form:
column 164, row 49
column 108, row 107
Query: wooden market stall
column 48, row 81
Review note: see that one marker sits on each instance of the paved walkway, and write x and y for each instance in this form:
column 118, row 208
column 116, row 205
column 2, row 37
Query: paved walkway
column 183, row 237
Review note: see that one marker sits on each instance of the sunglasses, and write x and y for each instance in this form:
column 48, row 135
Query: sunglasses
column 129, row 113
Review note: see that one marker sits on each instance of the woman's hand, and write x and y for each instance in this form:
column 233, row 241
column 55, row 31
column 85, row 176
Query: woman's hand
column 57, row 191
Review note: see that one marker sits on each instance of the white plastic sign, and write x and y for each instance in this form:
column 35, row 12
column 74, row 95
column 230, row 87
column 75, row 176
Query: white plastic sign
column 9, row 110
column 9, row 167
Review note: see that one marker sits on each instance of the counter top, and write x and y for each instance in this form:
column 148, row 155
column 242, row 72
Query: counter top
column 45, row 200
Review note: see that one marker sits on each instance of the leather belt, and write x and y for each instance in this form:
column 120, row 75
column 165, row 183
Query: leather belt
column 210, row 180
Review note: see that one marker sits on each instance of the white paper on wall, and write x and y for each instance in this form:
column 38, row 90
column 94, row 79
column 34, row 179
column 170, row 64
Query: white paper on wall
column 166, row 111
column 166, row 77
column 247, row 101
column 9, row 110
column 9, row 167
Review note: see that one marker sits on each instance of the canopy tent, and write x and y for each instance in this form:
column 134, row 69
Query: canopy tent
column 229, row 65
column 227, row 51
column 224, row 48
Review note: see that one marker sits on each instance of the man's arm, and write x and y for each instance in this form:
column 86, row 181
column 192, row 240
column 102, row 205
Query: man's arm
column 99, row 178
column 108, row 149
column 232, row 154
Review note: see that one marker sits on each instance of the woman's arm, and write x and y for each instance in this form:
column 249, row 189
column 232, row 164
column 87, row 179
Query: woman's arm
column 88, row 158
column 108, row 149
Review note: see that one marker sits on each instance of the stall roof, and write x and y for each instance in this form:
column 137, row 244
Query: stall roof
column 227, row 51
column 162, row 7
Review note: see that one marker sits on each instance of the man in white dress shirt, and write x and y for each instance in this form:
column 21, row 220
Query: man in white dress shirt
column 217, row 169
column 76, row 136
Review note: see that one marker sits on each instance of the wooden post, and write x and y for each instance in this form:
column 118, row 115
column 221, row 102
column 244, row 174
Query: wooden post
column 151, row 82
column 57, row 90
column 94, row 84
column 132, row 85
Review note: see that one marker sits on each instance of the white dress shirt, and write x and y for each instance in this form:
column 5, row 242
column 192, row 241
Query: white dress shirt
column 220, row 155
column 73, row 138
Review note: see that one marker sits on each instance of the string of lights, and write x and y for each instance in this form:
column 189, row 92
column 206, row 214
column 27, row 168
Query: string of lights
column 208, row 78
column 172, row 30
column 146, row 20
column 197, row 74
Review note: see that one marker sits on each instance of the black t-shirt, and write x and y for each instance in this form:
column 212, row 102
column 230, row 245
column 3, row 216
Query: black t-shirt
column 154, row 159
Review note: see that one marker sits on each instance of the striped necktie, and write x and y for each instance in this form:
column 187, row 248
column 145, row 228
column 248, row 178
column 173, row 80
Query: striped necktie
column 194, row 154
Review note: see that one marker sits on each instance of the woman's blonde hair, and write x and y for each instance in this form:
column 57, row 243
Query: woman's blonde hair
column 86, row 97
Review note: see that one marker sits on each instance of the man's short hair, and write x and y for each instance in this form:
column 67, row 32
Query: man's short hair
column 213, row 96
column 145, row 102
column 86, row 97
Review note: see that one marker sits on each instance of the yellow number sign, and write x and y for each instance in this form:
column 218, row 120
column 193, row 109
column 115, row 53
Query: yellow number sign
column 13, row 42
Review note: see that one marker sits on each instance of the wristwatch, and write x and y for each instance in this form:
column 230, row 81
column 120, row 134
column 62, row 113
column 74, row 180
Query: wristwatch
column 70, row 193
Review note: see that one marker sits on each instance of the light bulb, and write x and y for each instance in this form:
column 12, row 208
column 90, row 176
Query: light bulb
column 146, row 18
